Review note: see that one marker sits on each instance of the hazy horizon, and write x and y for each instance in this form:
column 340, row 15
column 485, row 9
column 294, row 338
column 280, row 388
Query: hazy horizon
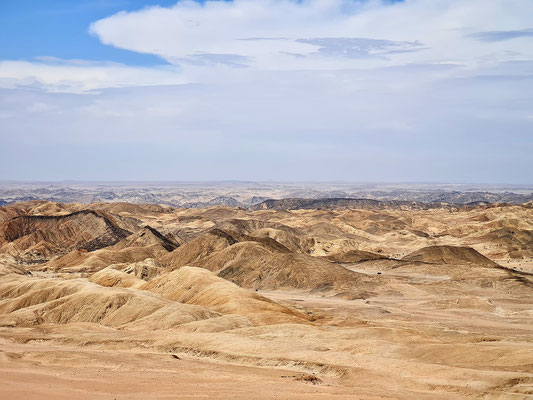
column 280, row 182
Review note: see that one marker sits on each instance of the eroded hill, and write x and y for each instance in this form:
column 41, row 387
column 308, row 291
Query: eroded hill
column 351, row 301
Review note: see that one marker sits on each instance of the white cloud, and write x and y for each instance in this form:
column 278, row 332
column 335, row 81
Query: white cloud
column 203, row 42
column 75, row 76
column 287, row 28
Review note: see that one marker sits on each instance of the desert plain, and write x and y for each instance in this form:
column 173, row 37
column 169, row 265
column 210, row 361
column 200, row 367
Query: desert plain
column 375, row 301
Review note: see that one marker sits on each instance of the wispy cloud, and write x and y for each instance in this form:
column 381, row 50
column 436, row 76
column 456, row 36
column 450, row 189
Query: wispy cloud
column 210, row 59
column 79, row 76
column 360, row 47
column 498, row 36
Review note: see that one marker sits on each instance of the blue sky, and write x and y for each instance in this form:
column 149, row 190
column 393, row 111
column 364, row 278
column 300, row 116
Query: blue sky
column 59, row 28
column 418, row 90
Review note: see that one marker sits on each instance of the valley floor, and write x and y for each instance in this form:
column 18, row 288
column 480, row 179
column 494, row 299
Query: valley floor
column 389, row 347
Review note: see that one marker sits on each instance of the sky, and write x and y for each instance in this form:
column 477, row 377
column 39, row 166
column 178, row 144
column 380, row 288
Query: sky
column 280, row 90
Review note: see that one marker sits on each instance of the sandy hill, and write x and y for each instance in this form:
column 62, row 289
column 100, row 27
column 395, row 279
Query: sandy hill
column 355, row 256
column 293, row 242
column 112, row 277
column 250, row 225
column 253, row 265
column 145, row 237
column 259, row 263
column 515, row 242
column 147, row 243
column 83, row 261
column 128, row 274
column 265, row 240
column 198, row 248
column 201, row 287
column 178, row 298
column 34, row 208
column 33, row 301
column 37, row 238
column 147, row 269
column 10, row 267
column 449, row 255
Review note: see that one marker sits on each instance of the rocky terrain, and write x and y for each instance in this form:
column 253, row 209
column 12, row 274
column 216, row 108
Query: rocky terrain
column 252, row 194
column 296, row 298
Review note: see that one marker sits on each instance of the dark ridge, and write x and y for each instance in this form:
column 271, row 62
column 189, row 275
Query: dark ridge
column 115, row 229
column 269, row 242
column 32, row 262
column 477, row 203
column 57, row 217
column 220, row 233
column 419, row 233
column 518, row 276
column 168, row 244
column 332, row 203
column 514, row 271
column 355, row 257
column 217, row 201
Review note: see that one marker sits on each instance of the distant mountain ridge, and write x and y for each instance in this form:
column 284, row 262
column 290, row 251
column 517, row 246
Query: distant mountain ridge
column 308, row 204
column 190, row 196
